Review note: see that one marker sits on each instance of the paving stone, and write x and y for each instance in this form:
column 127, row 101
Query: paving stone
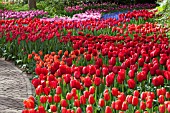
column 14, row 88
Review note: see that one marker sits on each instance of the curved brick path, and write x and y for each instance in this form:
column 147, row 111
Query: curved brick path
column 14, row 88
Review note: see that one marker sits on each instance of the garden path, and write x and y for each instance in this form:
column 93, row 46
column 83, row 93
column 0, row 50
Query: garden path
column 14, row 88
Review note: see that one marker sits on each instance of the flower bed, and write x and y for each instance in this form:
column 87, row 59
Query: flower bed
column 7, row 14
column 92, row 66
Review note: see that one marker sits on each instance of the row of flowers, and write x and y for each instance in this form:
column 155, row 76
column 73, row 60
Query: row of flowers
column 107, row 7
column 105, row 74
column 93, row 65
column 8, row 14
column 82, row 15
column 29, row 33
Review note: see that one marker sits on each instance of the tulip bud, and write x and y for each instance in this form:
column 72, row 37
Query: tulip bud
column 53, row 108
column 135, row 101
column 63, row 103
column 131, row 83
column 108, row 109
column 101, row 102
column 91, row 99
column 161, row 108
column 142, row 105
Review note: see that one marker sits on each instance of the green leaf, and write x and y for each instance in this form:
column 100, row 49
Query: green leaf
column 18, row 61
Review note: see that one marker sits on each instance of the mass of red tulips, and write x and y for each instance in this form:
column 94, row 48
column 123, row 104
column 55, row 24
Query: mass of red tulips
column 93, row 66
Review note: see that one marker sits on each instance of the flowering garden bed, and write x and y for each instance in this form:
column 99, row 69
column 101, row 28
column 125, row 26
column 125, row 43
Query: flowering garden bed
column 93, row 65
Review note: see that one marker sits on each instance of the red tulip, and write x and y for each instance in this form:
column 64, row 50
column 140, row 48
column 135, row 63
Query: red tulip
column 124, row 106
column 63, row 110
column 149, row 103
column 131, row 73
column 50, row 99
column 131, row 83
column 69, row 96
column 87, row 81
column 39, row 90
column 136, row 93
column 53, row 108
column 82, row 100
column 113, row 105
column 162, row 108
column 92, row 69
column 115, row 92
column 85, row 70
column 38, row 70
column 161, row 91
column 167, row 95
column 141, row 76
column 92, row 89
column 115, row 69
column 91, row 99
column 135, row 101
column 89, row 108
column 73, row 83
column 105, row 71
column 110, row 79
column 32, row 111
column 141, row 62
column 76, row 103
column 67, row 78
column 63, row 103
column 36, row 82
column 46, row 90
column 88, row 57
column 121, row 97
column 25, row 111
column 73, row 91
column 86, row 94
column 137, row 111
column 118, row 104
column 167, row 75
column 168, row 108
column 106, row 96
column 121, row 76
column 58, row 90
column 112, row 61
column 77, row 74
column 57, row 98
column 44, row 71
column 78, row 110
column 129, row 99
column 29, row 103
column 101, row 102
column 53, row 84
column 142, row 105
column 108, row 109
column 43, row 99
column 97, row 81
column 41, row 109
column 143, row 95
column 98, row 73
column 161, row 99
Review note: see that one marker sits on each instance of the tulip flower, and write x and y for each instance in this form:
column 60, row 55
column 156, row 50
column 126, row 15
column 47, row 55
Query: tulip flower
column 53, row 108
column 131, row 83
column 161, row 108
column 91, row 99
column 87, row 81
column 63, row 103
column 135, row 101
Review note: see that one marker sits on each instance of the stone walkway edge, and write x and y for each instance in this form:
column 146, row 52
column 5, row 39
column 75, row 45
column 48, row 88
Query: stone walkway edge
column 15, row 87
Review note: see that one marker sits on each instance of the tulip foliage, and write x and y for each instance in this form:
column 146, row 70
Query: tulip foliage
column 93, row 66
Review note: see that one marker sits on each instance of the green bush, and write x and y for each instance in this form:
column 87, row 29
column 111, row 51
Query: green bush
column 163, row 12
column 53, row 7
column 163, row 15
